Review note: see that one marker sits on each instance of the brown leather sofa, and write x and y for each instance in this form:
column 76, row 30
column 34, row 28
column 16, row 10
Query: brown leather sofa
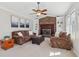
column 63, row 41
column 21, row 39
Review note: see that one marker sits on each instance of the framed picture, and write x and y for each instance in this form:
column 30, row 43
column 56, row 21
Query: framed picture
column 14, row 21
column 27, row 23
column 22, row 23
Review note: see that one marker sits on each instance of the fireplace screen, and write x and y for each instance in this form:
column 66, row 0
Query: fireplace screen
column 46, row 32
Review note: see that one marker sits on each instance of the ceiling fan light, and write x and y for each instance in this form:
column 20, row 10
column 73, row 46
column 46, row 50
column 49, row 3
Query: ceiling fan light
column 38, row 14
column 39, row 11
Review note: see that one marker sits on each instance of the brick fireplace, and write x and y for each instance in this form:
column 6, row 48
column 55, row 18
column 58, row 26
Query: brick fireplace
column 47, row 26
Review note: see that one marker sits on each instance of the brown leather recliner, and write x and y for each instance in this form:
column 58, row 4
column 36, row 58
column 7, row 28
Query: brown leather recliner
column 63, row 41
column 21, row 39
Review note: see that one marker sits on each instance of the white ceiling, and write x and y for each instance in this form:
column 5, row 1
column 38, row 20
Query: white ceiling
column 25, row 8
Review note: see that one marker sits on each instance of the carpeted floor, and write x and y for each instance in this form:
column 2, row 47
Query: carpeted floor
column 32, row 50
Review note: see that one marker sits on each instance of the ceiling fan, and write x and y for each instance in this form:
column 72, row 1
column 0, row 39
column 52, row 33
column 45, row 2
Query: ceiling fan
column 39, row 11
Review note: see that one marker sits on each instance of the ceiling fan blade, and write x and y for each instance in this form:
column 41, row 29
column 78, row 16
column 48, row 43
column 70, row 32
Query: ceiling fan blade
column 32, row 13
column 43, row 10
column 34, row 10
column 44, row 13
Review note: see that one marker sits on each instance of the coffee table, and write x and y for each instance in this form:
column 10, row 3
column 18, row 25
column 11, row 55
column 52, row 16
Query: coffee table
column 37, row 39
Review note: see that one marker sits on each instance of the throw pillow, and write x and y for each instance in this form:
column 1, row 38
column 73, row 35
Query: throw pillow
column 30, row 33
column 20, row 34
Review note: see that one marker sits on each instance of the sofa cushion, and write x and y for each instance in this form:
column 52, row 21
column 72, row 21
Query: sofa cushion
column 63, row 35
column 25, row 33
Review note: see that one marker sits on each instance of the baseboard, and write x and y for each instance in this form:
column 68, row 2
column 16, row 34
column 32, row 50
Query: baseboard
column 76, row 52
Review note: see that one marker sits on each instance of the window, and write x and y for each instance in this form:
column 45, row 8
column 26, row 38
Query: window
column 71, row 24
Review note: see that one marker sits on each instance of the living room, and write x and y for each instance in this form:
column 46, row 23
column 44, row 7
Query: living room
column 39, row 26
